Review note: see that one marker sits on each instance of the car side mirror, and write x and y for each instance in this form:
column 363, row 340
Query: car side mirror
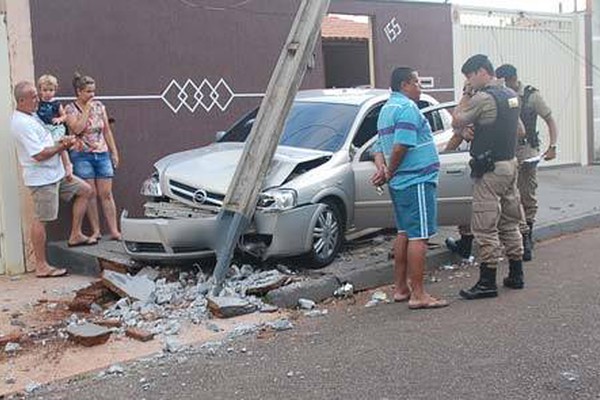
column 219, row 135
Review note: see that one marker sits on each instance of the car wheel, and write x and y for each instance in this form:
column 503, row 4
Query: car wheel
column 328, row 236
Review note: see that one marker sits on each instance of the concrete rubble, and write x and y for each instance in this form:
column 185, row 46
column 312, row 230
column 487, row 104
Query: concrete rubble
column 154, row 302
column 88, row 334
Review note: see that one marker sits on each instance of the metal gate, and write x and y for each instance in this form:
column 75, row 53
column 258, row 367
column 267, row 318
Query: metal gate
column 548, row 51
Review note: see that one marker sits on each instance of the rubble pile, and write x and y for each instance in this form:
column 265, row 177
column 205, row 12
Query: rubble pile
column 151, row 305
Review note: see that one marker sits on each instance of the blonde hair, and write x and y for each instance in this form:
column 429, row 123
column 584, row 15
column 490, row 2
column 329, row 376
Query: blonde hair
column 47, row 80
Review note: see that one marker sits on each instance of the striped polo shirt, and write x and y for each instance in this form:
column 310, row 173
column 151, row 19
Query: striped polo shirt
column 401, row 122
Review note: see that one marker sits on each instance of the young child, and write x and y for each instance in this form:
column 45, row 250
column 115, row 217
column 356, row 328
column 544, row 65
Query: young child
column 53, row 115
column 50, row 111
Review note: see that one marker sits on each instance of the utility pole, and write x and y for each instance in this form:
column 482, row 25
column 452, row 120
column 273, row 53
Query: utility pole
column 244, row 189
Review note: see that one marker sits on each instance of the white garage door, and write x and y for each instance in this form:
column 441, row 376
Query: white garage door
column 548, row 53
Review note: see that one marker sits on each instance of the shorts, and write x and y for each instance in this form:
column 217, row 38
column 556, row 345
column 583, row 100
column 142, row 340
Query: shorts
column 89, row 165
column 415, row 208
column 46, row 197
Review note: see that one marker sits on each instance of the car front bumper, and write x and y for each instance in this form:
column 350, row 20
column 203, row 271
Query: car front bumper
column 162, row 239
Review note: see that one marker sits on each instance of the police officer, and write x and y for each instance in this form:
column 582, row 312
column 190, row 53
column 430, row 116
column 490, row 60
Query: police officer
column 493, row 110
column 532, row 105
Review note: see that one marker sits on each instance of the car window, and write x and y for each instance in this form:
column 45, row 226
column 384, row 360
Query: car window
column 310, row 125
column 368, row 128
column 435, row 121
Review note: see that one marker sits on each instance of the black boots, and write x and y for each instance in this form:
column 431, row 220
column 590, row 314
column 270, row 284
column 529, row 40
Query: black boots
column 462, row 247
column 514, row 280
column 528, row 243
column 485, row 287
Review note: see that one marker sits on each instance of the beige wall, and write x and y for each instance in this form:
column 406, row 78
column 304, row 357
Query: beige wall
column 16, row 63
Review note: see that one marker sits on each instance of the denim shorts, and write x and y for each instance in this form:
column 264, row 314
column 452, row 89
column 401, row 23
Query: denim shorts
column 89, row 165
column 415, row 208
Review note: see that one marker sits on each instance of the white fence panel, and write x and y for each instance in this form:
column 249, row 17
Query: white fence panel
column 547, row 51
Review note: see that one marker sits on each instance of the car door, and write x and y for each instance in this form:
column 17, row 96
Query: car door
column 455, row 189
column 372, row 206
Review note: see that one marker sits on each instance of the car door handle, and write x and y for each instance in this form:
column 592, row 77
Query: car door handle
column 455, row 171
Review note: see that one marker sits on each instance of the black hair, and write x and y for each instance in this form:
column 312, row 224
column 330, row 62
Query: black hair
column 399, row 76
column 476, row 62
column 506, row 71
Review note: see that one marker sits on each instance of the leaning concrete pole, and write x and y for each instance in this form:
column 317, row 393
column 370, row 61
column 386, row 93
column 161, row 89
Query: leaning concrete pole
column 242, row 195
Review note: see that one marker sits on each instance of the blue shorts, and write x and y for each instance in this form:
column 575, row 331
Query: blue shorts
column 88, row 165
column 415, row 208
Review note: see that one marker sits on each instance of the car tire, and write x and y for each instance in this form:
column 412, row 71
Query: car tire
column 328, row 237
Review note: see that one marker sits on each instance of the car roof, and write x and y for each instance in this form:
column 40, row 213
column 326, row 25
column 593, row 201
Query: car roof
column 350, row 96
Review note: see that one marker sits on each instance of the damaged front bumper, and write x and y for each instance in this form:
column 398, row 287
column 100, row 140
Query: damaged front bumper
column 272, row 234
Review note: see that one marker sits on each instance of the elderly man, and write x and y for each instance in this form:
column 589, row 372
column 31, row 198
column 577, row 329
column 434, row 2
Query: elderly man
column 45, row 177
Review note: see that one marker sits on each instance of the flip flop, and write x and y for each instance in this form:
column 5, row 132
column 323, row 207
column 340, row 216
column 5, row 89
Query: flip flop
column 436, row 303
column 54, row 273
column 402, row 300
column 88, row 242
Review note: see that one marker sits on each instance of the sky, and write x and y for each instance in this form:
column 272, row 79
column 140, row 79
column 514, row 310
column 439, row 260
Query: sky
column 521, row 5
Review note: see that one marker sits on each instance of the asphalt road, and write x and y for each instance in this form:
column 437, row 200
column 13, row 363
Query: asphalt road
column 539, row 343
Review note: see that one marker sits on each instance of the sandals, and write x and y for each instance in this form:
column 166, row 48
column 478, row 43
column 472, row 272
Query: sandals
column 434, row 303
column 87, row 242
column 53, row 273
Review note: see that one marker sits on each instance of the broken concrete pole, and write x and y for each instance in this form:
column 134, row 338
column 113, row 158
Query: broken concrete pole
column 88, row 334
column 139, row 334
column 228, row 306
column 135, row 287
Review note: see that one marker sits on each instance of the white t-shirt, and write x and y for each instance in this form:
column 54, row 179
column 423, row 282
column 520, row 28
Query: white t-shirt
column 31, row 138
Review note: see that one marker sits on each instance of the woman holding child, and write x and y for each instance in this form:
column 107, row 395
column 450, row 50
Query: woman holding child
column 96, row 156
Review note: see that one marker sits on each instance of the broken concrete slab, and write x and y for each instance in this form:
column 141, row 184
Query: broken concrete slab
column 149, row 273
column 88, row 334
column 135, row 287
column 139, row 334
column 229, row 306
column 265, row 281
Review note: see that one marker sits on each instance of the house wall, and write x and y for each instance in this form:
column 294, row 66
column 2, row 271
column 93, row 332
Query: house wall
column 144, row 54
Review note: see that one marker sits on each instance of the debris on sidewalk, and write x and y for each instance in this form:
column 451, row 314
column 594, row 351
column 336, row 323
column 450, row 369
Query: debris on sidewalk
column 135, row 287
column 139, row 334
column 344, row 291
column 315, row 313
column 377, row 297
column 229, row 306
column 306, row 304
column 12, row 348
column 88, row 334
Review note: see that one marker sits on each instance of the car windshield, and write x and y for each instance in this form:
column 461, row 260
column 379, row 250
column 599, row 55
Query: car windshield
column 317, row 126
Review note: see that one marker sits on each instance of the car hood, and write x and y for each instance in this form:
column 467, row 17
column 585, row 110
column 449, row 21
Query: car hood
column 212, row 167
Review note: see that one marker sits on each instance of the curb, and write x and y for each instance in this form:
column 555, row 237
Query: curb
column 574, row 225
column 76, row 262
column 380, row 273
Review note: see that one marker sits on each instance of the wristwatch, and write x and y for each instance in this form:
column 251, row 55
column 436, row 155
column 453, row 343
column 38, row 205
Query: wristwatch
column 552, row 146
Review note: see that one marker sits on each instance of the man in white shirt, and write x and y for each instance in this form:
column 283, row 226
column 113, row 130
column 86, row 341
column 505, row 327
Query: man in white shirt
column 45, row 176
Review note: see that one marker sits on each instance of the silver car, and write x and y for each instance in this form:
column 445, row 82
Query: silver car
column 316, row 193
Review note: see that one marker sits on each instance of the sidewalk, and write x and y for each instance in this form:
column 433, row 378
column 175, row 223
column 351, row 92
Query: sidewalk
column 569, row 201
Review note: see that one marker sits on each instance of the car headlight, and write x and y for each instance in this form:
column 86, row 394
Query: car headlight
column 151, row 186
column 277, row 200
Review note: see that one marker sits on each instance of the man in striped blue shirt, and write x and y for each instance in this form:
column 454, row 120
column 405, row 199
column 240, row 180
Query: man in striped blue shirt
column 407, row 160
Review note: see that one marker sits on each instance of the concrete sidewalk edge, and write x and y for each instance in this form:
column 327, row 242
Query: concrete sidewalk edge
column 380, row 274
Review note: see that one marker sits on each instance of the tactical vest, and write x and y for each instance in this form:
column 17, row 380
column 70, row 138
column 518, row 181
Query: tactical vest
column 499, row 137
column 529, row 118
